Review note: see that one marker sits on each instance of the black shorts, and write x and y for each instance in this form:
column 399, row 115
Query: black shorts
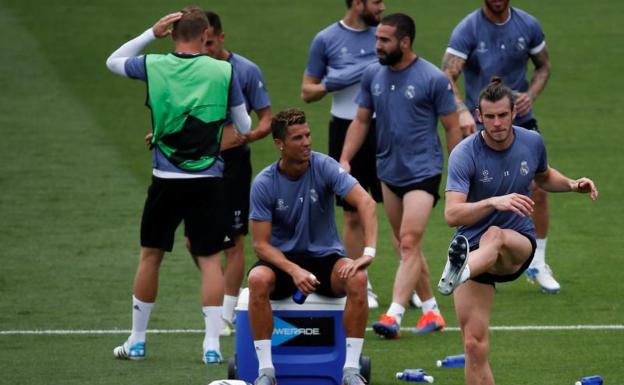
column 530, row 124
column 491, row 279
column 429, row 185
column 321, row 267
column 237, row 185
column 197, row 202
column 363, row 164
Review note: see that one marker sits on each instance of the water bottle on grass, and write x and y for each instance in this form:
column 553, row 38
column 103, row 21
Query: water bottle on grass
column 457, row 361
column 414, row 375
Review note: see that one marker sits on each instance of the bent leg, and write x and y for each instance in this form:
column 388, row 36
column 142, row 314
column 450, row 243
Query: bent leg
column 261, row 282
column 473, row 305
column 356, row 309
column 501, row 252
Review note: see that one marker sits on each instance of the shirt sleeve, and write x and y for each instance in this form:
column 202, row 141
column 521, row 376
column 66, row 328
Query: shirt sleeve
column 460, row 43
column 364, row 98
column 538, row 41
column 256, row 91
column 443, row 97
column 235, row 97
column 542, row 159
column 117, row 61
column 317, row 61
column 340, row 181
column 460, row 170
column 260, row 201
column 135, row 68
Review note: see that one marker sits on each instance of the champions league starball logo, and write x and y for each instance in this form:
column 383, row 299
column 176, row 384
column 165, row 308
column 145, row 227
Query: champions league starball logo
column 486, row 178
column 376, row 89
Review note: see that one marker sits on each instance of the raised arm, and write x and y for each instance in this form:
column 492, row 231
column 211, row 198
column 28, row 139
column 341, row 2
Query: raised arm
column 117, row 60
column 452, row 66
column 553, row 181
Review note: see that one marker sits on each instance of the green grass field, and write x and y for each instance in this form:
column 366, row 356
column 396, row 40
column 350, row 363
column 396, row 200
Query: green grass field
column 74, row 172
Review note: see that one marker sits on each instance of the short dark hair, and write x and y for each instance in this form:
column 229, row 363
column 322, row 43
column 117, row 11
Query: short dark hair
column 215, row 22
column 350, row 2
column 284, row 119
column 496, row 91
column 404, row 25
column 191, row 25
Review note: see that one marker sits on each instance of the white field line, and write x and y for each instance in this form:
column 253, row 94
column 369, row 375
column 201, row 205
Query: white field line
column 411, row 329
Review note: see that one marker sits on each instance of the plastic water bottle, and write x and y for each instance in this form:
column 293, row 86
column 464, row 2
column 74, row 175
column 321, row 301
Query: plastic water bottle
column 414, row 375
column 591, row 380
column 299, row 297
column 457, row 361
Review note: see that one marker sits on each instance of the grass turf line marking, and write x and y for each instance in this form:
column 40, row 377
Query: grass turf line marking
column 411, row 329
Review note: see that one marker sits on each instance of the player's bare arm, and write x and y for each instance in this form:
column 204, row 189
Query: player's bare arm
column 459, row 212
column 452, row 130
column 452, row 66
column 265, row 251
column 264, row 124
column 312, row 89
column 541, row 74
column 524, row 100
column 356, row 134
column 553, row 181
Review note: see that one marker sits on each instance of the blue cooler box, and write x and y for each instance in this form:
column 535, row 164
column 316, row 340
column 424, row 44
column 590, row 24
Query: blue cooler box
column 308, row 342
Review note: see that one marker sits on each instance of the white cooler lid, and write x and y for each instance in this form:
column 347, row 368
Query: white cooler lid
column 313, row 302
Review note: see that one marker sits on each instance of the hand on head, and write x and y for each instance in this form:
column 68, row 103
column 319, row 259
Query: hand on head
column 163, row 27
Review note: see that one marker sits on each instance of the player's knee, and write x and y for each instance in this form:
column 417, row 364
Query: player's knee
column 356, row 289
column 476, row 348
column 260, row 282
column 492, row 236
column 409, row 244
column 357, row 283
column 151, row 257
column 234, row 254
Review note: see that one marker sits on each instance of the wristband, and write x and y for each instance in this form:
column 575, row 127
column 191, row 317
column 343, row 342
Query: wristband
column 370, row 251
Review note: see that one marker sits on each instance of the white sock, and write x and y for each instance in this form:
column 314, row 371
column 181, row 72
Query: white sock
column 140, row 317
column 539, row 259
column 430, row 305
column 354, row 350
column 213, row 324
column 229, row 303
column 263, row 351
column 396, row 311
column 465, row 275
